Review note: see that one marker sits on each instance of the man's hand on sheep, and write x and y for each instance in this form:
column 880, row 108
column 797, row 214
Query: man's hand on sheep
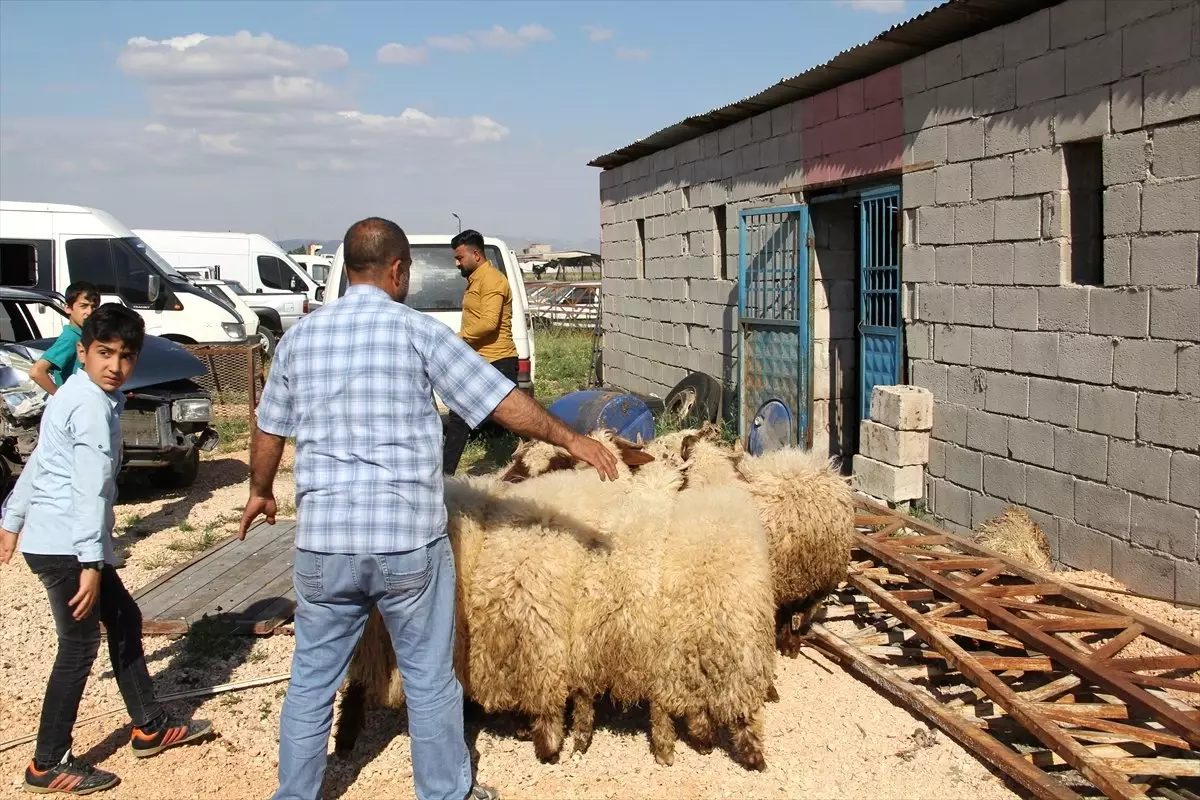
column 525, row 417
column 591, row 451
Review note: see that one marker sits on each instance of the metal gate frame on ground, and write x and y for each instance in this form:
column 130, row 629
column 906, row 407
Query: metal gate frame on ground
column 774, row 344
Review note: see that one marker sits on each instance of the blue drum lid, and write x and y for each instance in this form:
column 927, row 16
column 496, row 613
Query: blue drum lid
column 773, row 427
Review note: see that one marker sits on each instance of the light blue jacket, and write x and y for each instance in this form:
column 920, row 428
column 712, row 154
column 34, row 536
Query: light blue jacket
column 62, row 503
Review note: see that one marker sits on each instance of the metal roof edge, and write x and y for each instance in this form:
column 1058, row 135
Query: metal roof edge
column 940, row 25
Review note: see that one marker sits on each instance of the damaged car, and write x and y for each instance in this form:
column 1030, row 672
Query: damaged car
column 167, row 420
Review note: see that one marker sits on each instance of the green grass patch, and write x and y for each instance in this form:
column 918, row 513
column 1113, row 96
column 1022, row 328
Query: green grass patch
column 564, row 362
column 197, row 544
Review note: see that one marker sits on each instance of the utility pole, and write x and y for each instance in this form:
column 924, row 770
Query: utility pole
column 457, row 217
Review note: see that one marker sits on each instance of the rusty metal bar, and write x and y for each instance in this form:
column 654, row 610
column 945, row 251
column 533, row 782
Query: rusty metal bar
column 1108, row 780
column 954, row 725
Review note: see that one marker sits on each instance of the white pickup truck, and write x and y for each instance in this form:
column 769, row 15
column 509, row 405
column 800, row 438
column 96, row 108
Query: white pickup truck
column 277, row 311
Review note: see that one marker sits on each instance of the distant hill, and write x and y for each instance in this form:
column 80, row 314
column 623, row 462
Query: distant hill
column 517, row 243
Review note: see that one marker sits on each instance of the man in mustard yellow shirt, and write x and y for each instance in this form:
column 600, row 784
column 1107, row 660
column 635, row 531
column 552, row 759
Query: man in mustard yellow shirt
column 486, row 326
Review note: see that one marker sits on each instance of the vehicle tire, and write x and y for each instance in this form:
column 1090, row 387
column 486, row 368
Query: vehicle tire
column 178, row 476
column 266, row 341
column 695, row 400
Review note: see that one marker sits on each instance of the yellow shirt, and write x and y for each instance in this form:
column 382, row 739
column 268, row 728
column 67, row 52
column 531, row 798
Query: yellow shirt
column 487, row 314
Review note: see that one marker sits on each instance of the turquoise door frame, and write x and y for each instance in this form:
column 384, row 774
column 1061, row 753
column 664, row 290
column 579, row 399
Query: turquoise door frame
column 880, row 324
column 774, row 327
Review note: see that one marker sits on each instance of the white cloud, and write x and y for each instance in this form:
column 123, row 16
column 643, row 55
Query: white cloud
column 199, row 57
column 249, row 132
column 495, row 38
column 632, row 54
column 598, row 33
column 875, row 6
column 402, row 54
column 226, row 102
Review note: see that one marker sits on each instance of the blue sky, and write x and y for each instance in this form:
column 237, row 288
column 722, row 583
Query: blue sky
column 297, row 125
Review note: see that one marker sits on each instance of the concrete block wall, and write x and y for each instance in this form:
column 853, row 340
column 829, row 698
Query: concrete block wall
column 1079, row 403
column 835, row 343
column 670, row 292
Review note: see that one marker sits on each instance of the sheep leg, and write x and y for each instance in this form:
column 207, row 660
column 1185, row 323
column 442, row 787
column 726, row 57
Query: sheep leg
column 662, row 735
column 701, row 731
column 747, row 740
column 772, row 693
column 350, row 722
column 583, row 722
column 548, row 735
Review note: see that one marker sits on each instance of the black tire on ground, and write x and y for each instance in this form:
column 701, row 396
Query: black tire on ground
column 178, row 476
column 695, row 400
column 266, row 340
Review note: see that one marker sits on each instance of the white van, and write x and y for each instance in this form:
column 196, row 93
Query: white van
column 317, row 266
column 251, row 259
column 48, row 246
column 436, row 287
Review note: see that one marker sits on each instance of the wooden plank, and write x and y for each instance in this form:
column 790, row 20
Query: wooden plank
column 1075, row 624
column 1094, row 769
column 985, row 576
column 251, row 560
column 1167, row 767
column 1155, row 662
column 1118, row 642
column 158, row 604
column 1164, row 683
column 956, row 727
column 235, row 599
column 1167, row 635
column 1110, row 678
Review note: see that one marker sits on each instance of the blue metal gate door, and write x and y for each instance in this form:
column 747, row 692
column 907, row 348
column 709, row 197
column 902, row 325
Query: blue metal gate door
column 879, row 321
column 773, row 312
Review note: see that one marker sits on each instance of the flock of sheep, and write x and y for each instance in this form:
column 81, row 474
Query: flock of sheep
column 672, row 586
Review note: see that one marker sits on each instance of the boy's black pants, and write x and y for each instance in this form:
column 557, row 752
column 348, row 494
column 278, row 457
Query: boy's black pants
column 456, row 429
column 78, row 643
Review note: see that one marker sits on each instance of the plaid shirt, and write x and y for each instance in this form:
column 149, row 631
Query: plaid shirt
column 352, row 382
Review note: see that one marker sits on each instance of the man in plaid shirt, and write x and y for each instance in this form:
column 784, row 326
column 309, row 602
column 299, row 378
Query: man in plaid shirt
column 352, row 383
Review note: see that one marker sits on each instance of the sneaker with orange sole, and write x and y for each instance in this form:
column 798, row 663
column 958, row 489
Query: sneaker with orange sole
column 170, row 733
column 69, row 776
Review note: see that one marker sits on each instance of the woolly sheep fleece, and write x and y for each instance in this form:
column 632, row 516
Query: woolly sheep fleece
column 582, row 580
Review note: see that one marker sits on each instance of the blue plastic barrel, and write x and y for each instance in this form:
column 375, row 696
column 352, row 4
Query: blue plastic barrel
column 772, row 428
column 591, row 409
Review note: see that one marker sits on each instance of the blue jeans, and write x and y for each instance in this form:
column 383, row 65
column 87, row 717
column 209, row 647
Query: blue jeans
column 414, row 592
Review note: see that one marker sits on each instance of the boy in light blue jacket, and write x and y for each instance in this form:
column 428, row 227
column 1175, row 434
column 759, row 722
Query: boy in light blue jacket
column 62, row 508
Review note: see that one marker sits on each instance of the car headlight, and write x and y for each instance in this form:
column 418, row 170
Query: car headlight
column 234, row 330
column 196, row 409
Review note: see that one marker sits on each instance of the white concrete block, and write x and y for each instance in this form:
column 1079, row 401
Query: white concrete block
column 897, row 448
column 902, row 408
column 895, row 484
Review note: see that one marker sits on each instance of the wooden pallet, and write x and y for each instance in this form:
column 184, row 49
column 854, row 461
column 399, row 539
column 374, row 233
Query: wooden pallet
column 245, row 583
column 1018, row 665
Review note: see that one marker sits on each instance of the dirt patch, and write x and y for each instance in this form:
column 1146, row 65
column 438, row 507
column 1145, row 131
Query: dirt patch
column 829, row 736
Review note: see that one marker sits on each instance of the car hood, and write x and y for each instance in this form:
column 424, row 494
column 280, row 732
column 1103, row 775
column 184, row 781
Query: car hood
column 161, row 361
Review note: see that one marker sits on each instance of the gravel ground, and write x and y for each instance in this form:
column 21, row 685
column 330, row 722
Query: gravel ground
column 829, row 736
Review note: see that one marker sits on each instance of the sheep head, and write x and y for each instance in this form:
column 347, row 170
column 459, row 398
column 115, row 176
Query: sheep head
column 534, row 458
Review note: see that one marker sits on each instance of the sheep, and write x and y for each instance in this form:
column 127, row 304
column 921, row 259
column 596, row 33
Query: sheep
column 510, row 650
column 512, row 618
column 690, row 632
column 710, row 648
column 806, row 507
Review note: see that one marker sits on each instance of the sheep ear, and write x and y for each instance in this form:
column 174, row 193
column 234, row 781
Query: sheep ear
column 689, row 441
column 631, row 454
column 516, row 472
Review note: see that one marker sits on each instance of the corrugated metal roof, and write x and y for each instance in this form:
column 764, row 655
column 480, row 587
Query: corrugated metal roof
column 940, row 25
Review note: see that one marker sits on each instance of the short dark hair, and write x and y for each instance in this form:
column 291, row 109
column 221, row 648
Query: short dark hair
column 469, row 237
column 82, row 288
column 374, row 243
column 114, row 322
